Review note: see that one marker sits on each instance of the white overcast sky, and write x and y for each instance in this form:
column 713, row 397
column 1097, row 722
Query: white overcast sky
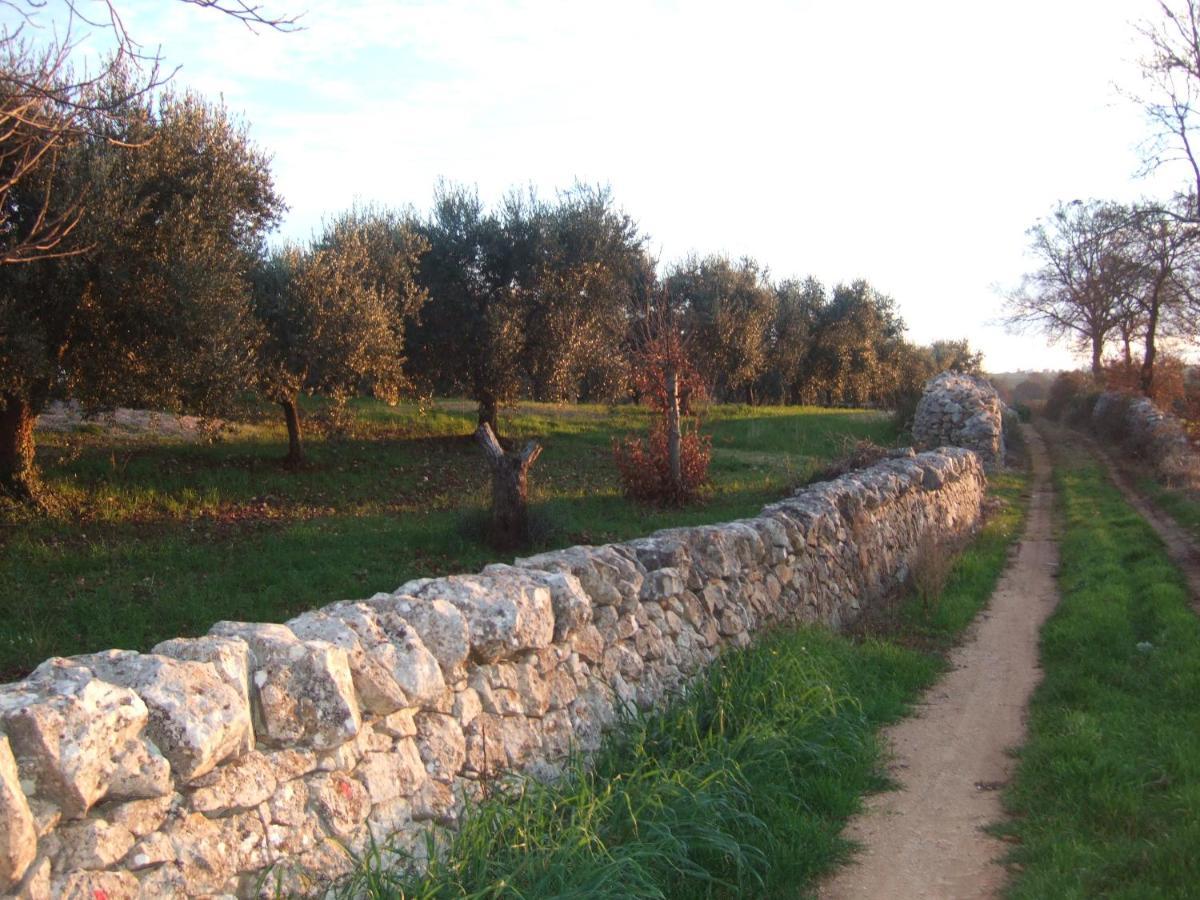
column 909, row 143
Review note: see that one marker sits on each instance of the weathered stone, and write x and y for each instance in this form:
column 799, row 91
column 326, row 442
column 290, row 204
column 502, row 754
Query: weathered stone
column 140, row 817
column 466, row 706
column 388, row 776
column 441, row 745
column 96, row 886
column 195, row 718
column 152, row 851
column 18, row 837
column 36, row 883
column 242, row 783
column 92, row 844
column 304, row 689
column 140, row 771
column 229, row 656
column 399, row 724
column 62, row 724
column 341, row 801
column 505, row 613
column 204, row 858
column 570, row 603
column 390, row 664
column 442, row 628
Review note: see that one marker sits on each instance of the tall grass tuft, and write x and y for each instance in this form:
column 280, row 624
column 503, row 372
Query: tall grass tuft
column 740, row 788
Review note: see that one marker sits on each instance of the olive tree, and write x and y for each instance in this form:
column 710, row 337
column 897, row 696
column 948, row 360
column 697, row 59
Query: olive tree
column 157, row 311
column 49, row 101
column 330, row 328
column 727, row 309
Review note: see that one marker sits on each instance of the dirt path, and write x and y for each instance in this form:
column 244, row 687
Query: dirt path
column 1180, row 546
column 925, row 839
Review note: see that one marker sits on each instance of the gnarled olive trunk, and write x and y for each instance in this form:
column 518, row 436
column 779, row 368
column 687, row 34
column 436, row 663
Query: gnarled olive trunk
column 18, row 472
column 291, row 415
column 488, row 411
column 510, row 489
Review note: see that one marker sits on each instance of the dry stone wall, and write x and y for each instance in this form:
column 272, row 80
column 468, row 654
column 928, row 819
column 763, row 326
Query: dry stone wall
column 258, row 759
column 963, row 411
column 1150, row 434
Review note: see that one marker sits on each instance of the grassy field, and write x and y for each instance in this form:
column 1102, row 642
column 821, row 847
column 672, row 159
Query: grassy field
column 157, row 538
column 1107, row 793
column 739, row 790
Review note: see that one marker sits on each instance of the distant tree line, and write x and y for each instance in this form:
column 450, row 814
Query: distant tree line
column 165, row 293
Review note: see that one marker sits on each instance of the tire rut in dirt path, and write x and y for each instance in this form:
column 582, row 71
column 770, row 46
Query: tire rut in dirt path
column 1180, row 545
column 925, row 840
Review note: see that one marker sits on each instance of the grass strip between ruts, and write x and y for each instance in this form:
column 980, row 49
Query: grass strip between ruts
column 741, row 788
column 1107, row 791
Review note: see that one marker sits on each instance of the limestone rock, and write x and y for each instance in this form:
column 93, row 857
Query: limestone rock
column 18, row 838
column 390, row 664
column 96, row 885
column 92, row 844
column 242, row 783
column 63, row 723
column 195, row 717
column 229, row 656
column 441, row 745
column 442, row 628
column 505, row 613
column 304, row 691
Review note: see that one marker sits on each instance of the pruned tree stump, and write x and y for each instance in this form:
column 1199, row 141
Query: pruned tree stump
column 510, row 489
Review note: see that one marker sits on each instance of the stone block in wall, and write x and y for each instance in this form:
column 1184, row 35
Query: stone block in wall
column 303, row 690
column 78, row 739
column 18, row 838
column 606, row 575
column 195, row 717
column 505, row 613
column 442, row 628
column 390, row 664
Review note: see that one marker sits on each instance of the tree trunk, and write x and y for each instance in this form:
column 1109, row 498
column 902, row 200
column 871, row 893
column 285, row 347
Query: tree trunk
column 18, row 472
column 674, row 437
column 488, row 409
column 1097, row 351
column 510, row 489
column 291, row 415
column 1147, row 376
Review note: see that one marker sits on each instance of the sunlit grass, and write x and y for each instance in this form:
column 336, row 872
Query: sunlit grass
column 156, row 537
column 741, row 789
column 1107, row 792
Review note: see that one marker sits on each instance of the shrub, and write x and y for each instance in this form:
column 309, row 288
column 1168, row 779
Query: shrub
column 645, row 468
column 854, row 455
column 1066, row 388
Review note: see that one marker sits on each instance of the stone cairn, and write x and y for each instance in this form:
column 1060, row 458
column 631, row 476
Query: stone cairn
column 259, row 759
column 1149, row 434
column 961, row 410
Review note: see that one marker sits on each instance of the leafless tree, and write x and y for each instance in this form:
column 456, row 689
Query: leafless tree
column 1171, row 90
column 49, row 99
column 1084, row 276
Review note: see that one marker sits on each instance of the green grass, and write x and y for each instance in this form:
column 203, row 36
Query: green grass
column 1181, row 505
column 741, row 788
column 157, row 538
column 1106, row 797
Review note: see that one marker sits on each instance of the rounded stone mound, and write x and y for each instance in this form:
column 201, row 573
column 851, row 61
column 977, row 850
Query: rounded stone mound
column 962, row 411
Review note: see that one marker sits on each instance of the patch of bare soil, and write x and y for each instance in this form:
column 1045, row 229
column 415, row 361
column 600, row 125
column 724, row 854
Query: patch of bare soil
column 926, row 839
column 70, row 416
